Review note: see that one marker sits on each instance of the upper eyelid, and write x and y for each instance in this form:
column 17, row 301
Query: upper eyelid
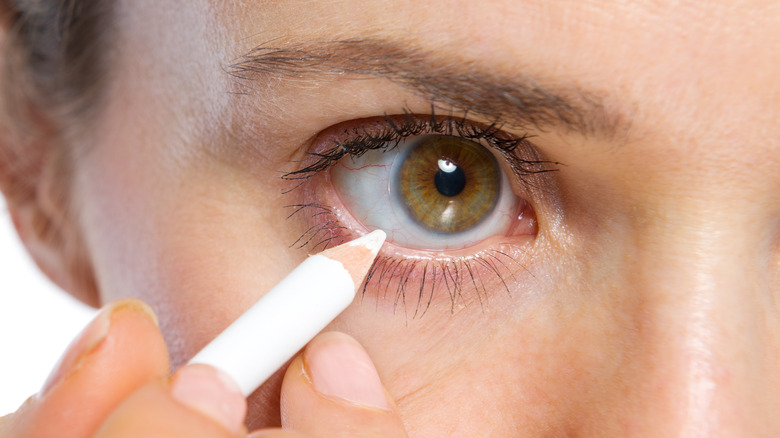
column 394, row 128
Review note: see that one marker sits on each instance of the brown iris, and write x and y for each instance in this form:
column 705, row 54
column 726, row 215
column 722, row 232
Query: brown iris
column 448, row 184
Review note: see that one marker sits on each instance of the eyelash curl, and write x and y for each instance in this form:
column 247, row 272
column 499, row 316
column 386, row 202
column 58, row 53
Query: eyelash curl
column 397, row 277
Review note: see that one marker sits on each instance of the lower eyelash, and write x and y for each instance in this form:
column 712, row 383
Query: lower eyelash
column 390, row 276
column 456, row 276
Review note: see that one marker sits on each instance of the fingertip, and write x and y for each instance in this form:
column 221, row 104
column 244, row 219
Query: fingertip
column 153, row 410
column 135, row 305
column 134, row 347
column 333, row 389
column 132, row 312
column 212, row 393
column 339, row 367
column 121, row 350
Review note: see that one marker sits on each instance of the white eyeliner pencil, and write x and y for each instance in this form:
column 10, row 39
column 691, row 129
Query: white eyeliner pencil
column 266, row 336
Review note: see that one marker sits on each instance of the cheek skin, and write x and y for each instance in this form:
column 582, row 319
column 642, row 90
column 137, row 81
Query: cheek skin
column 199, row 255
column 520, row 363
column 200, row 246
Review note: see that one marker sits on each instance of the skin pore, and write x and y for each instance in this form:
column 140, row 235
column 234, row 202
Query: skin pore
column 646, row 303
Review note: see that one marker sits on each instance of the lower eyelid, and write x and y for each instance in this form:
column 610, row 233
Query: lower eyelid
column 412, row 281
column 415, row 286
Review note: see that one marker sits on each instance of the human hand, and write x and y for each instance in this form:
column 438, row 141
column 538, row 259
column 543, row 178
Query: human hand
column 113, row 381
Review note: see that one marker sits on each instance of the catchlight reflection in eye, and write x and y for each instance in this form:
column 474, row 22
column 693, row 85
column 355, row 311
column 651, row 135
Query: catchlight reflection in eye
column 432, row 192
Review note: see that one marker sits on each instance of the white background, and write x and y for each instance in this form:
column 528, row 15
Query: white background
column 37, row 320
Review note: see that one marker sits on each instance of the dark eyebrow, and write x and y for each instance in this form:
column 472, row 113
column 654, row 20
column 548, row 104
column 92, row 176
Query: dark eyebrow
column 517, row 100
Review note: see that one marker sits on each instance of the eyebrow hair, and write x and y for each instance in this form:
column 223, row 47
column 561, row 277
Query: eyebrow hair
column 518, row 100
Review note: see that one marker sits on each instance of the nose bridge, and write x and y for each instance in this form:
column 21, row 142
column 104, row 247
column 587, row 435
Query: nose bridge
column 700, row 318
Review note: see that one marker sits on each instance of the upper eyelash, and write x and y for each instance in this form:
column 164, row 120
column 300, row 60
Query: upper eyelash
column 360, row 140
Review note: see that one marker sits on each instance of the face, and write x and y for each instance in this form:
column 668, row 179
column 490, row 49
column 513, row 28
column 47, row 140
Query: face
column 600, row 257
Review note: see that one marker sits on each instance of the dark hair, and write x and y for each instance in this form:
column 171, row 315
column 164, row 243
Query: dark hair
column 53, row 69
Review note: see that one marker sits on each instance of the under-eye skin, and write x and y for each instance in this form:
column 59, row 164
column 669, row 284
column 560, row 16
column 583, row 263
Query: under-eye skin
column 441, row 187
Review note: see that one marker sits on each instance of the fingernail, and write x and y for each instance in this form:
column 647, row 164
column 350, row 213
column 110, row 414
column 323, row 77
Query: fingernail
column 212, row 393
column 90, row 339
column 339, row 367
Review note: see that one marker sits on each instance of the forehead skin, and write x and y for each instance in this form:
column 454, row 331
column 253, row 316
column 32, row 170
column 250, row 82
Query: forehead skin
column 678, row 209
column 690, row 75
column 647, row 55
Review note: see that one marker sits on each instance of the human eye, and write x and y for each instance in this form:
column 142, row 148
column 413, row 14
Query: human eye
column 431, row 192
column 454, row 196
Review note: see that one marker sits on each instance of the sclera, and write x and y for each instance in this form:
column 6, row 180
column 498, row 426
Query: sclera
column 366, row 186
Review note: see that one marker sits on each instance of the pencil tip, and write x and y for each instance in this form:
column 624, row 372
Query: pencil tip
column 358, row 255
column 373, row 241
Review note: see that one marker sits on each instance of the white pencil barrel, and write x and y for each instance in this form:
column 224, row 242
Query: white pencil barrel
column 282, row 322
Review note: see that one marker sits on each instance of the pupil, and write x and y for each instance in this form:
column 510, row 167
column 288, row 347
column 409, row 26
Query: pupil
column 449, row 179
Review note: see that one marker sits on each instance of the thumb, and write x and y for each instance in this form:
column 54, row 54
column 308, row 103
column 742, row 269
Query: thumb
column 333, row 390
column 118, row 352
